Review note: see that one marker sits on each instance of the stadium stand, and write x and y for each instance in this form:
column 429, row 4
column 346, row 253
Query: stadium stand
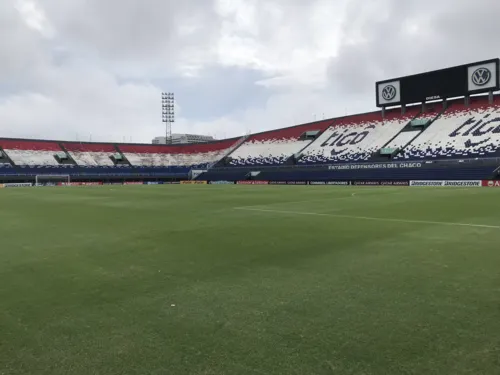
column 459, row 142
column 461, row 132
column 192, row 155
column 411, row 131
column 277, row 146
column 356, row 138
column 4, row 160
column 402, row 139
column 91, row 154
column 23, row 152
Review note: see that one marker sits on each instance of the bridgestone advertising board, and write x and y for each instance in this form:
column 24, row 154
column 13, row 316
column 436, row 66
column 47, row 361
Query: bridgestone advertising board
column 458, row 183
column 24, row 184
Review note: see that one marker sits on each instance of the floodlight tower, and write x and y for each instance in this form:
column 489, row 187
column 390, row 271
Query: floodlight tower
column 168, row 114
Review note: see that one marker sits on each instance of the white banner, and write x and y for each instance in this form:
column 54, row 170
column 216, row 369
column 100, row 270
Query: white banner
column 458, row 183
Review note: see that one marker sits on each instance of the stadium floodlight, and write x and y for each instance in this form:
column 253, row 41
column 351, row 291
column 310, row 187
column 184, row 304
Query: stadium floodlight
column 168, row 114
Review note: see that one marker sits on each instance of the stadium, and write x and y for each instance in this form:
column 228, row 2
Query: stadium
column 440, row 126
column 390, row 269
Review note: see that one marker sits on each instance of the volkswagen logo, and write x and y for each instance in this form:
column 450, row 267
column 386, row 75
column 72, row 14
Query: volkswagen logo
column 481, row 76
column 389, row 92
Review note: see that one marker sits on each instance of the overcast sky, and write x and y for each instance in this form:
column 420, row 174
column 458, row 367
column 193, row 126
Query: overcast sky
column 78, row 68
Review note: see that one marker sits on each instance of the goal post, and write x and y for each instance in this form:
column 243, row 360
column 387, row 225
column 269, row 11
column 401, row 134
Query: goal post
column 51, row 179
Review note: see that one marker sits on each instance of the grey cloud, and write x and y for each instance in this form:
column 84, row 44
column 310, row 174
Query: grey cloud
column 103, row 70
column 471, row 32
column 210, row 96
column 20, row 46
column 134, row 30
column 450, row 32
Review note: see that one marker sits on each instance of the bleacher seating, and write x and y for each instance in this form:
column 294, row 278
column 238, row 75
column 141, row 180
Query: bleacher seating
column 413, row 129
column 24, row 152
column 402, row 139
column 191, row 155
column 91, row 154
column 356, row 138
column 274, row 147
column 461, row 132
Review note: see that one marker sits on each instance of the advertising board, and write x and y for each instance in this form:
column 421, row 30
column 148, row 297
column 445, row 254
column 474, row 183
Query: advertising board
column 277, row 182
column 338, row 183
column 381, row 183
column 456, row 183
column 193, row 182
column 491, row 183
column 394, row 183
column 20, row 184
column 426, row 183
column 482, row 76
column 334, row 183
column 252, row 182
column 462, row 183
column 389, row 92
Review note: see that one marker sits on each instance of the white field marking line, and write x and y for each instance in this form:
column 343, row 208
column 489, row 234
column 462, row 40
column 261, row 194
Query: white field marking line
column 370, row 218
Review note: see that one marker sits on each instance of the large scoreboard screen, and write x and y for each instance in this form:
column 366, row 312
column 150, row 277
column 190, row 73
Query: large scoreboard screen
column 440, row 84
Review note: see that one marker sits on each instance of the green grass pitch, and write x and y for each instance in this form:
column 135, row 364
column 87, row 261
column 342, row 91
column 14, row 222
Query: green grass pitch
column 213, row 280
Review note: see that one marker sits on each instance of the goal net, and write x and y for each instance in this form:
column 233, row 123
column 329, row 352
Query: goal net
column 51, row 179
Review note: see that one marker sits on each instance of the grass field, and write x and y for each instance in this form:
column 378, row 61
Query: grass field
column 236, row 280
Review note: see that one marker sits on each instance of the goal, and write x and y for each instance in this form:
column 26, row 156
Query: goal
column 51, row 179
